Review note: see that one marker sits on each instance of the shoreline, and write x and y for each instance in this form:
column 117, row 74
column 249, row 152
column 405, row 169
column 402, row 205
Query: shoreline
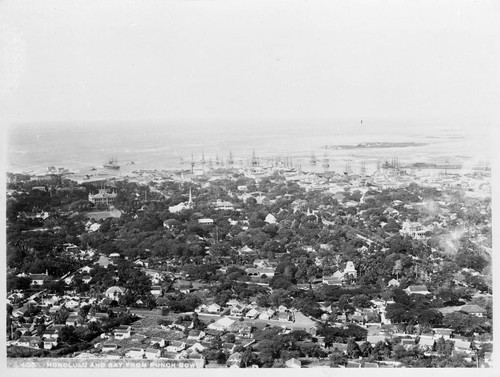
column 376, row 144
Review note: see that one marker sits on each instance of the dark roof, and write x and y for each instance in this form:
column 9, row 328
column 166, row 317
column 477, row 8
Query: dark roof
column 339, row 346
column 472, row 309
column 213, row 332
column 39, row 277
column 24, row 339
column 228, row 345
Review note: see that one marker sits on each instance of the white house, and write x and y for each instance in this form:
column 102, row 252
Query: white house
column 176, row 346
column 237, row 310
column 270, row 219
column 252, row 313
column 213, row 308
column 245, row 250
column 282, row 309
column 474, row 310
column 293, row 363
column 72, row 304
column 261, row 263
column 103, row 261
column 74, row 320
column 157, row 340
column 94, row 227
column 413, row 229
column 223, row 205
column 115, row 292
column 444, row 333
column 196, row 334
column 201, row 308
column 234, row 360
column 205, row 221
column 122, row 332
column 197, row 347
column 29, row 341
column 417, row 289
column 135, row 353
column 39, row 279
column 267, row 315
column 393, row 283
column 152, row 353
column 109, row 347
column 232, row 302
column 259, row 272
column 156, row 290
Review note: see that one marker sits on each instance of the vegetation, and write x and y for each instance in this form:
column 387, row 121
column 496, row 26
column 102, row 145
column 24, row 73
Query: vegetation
column 303, row 247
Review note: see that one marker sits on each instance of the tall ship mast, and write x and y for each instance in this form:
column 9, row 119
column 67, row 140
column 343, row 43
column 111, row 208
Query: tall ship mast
column 347, row 167
column 313, row 159
column 255, row 161
column 363, row 168
column 112, row 163
column 326, row 161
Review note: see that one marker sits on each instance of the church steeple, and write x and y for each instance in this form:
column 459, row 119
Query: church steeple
column 190, row 201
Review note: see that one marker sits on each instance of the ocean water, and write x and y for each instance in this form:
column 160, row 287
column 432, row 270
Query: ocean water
column 156, row 145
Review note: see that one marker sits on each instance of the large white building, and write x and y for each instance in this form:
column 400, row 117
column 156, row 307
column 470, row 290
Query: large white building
column 413, row 229
column 103, row 197
column 223, row 205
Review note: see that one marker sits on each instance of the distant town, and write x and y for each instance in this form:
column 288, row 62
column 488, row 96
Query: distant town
column 252, row 267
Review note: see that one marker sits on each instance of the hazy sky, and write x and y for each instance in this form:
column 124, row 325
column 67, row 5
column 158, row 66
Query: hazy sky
column 113, row 60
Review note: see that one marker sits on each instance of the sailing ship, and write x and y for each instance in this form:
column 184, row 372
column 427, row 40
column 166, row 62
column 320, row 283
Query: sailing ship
column 313, row 159
column 112, row 163
column 347, row 169
column 326, row 161
column 255, row 161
